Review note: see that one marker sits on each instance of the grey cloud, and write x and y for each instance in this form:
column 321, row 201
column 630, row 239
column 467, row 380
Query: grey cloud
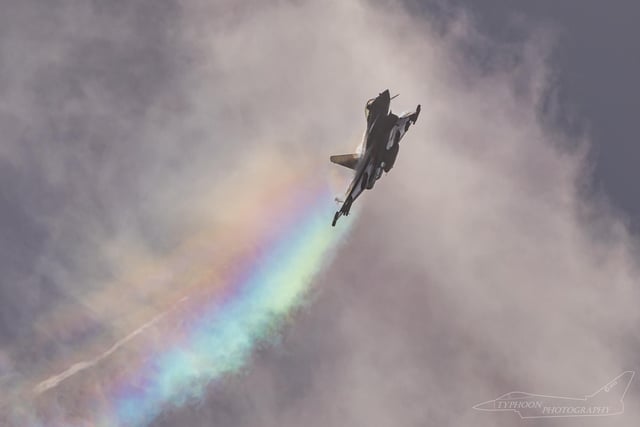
column 77, row 82
column 473, row 268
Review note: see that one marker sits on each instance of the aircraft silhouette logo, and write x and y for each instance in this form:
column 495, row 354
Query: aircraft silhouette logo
column 608, row 400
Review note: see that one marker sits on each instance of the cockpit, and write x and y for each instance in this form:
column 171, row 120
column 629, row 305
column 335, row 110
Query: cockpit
column 367, row 108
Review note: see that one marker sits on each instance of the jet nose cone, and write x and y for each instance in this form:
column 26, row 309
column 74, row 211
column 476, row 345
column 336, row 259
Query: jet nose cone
column 489, row 405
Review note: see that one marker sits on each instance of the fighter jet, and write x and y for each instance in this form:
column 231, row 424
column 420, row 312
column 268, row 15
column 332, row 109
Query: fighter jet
column 380, row 148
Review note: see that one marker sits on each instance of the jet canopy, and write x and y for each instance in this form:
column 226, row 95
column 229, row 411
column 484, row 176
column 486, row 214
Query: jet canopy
column 367, row 108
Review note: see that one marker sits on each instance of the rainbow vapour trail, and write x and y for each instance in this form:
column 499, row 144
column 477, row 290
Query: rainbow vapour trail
column 255, row 301
column 221, row 294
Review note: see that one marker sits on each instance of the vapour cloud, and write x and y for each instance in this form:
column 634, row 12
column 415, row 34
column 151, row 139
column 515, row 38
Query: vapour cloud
column 476, row 267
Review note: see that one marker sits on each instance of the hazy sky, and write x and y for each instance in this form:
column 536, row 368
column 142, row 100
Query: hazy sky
column 496, row 256
column 595, row 69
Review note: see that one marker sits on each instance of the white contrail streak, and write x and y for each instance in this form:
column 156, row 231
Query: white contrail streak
column 53, row 381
